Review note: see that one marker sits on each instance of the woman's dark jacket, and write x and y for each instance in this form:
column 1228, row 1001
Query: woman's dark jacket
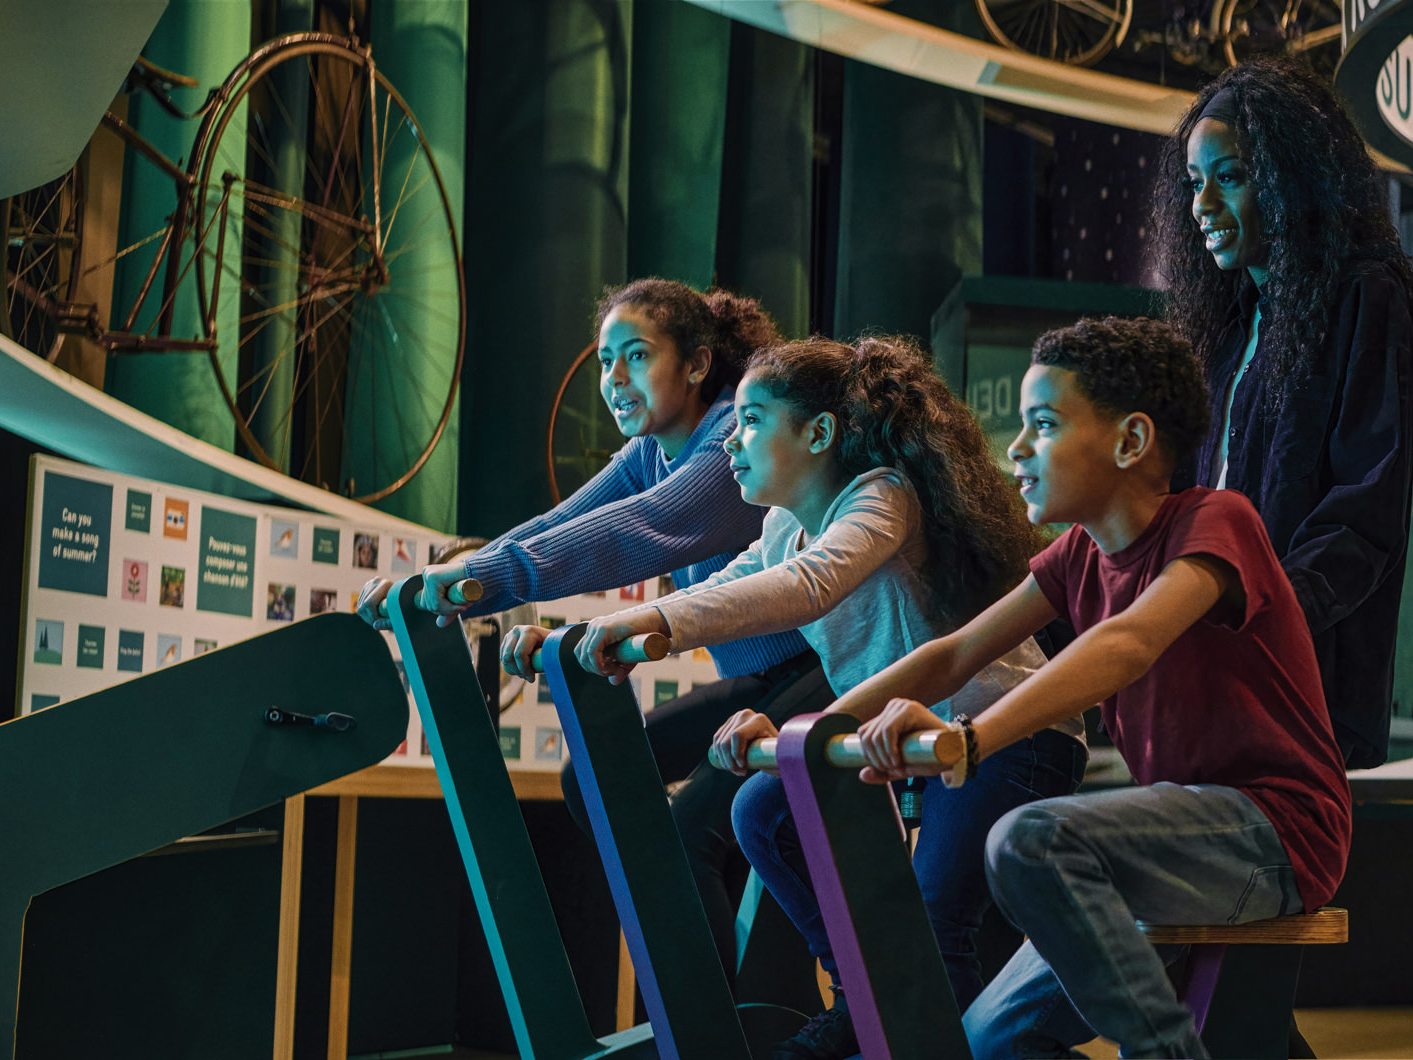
column 1330, row 474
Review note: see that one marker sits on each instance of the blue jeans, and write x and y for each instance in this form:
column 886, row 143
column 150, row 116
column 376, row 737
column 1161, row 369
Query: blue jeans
column 948, row 859
column 1075, row 873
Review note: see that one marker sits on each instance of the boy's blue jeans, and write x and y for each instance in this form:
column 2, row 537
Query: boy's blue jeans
column 1075, row 873
column 949, row 857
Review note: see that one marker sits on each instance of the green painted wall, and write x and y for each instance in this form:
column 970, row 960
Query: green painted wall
column 420, row 45
column 765, row 226
column 547, row 180
column 910, row 213
column 679, row 66
column 203, row 39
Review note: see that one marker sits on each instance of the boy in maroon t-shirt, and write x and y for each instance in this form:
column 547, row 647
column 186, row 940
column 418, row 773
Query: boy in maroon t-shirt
column 1191, row 638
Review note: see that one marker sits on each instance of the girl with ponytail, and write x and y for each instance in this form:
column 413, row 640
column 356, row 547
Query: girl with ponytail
column 669, row 360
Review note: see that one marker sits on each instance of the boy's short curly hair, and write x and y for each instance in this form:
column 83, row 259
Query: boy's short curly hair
column 1137, row 365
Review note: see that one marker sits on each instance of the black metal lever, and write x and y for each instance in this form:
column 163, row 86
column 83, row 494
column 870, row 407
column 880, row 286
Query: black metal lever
column 331, row 721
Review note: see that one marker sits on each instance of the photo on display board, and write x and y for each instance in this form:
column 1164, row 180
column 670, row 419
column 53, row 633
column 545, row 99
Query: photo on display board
column 48, row 641
column 321, row 600
column 279, row 603
column 174, row 524
column 169, row 649
column 549, row 744
column 403, row 559
column 134, row 581
column 201, row 645
column 173, row 587
column 284, row 539
column 365, row 551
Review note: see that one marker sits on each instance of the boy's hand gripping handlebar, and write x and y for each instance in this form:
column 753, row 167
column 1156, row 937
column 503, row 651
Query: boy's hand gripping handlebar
column 462, row 594
column 935, row 747
column 645, row 647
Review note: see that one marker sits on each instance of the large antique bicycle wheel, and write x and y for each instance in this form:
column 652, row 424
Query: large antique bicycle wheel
column 1078, row 32
column 329, row 272
column 581, row 437
column 43, row 228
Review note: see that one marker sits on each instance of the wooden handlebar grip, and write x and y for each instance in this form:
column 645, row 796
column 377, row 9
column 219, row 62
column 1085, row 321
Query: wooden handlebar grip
column 645, row 647
column 933, row 747
column 466, row 591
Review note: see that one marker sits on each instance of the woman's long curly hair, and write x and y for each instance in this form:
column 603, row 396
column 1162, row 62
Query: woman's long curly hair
column 894, row 411
column 732, row 326
column 1323, row 208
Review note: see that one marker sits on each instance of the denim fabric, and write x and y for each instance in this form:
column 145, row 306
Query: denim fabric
column 1075, row 873
column 949, row 856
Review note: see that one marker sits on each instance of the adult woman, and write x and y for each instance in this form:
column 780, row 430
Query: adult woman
column 669, row 358
column 1293, row 290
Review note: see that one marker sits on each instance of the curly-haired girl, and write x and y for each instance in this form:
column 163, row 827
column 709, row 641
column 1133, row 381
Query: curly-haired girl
column 1293, row 290
column 889, row 525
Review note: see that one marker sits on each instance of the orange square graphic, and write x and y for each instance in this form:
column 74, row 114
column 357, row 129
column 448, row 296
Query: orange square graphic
column 174, row 525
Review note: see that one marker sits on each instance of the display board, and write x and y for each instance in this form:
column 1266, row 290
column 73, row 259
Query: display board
column 127, row 575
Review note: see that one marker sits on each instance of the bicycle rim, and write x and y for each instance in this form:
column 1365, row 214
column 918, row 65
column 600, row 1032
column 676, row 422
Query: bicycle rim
column 321, row 214
column 1078, row 32
column 43, row 232
column 581, row 437
column 1250, row 28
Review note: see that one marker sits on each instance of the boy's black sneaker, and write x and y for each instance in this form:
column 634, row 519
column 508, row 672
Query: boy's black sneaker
column 829, row 1036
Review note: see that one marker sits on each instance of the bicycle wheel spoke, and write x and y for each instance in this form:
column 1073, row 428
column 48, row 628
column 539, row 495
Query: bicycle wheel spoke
column 342, row 133
column 1317, row 38
column 1017, row 22
column 1079, row 32
column 404, row 194
column 1109, row 16
column 1035, row 31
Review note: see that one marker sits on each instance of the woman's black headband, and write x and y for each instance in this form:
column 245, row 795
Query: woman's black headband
column 1221, row 107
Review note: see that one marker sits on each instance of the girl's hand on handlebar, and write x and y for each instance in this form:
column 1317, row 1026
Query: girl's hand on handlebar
column 436, row 581
column 604, row 633
column 881, row 739
column 370, row 598
column 517, row 649
column 742, row 729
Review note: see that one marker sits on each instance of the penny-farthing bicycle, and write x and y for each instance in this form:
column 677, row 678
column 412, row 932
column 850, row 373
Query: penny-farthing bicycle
column 313, row 224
